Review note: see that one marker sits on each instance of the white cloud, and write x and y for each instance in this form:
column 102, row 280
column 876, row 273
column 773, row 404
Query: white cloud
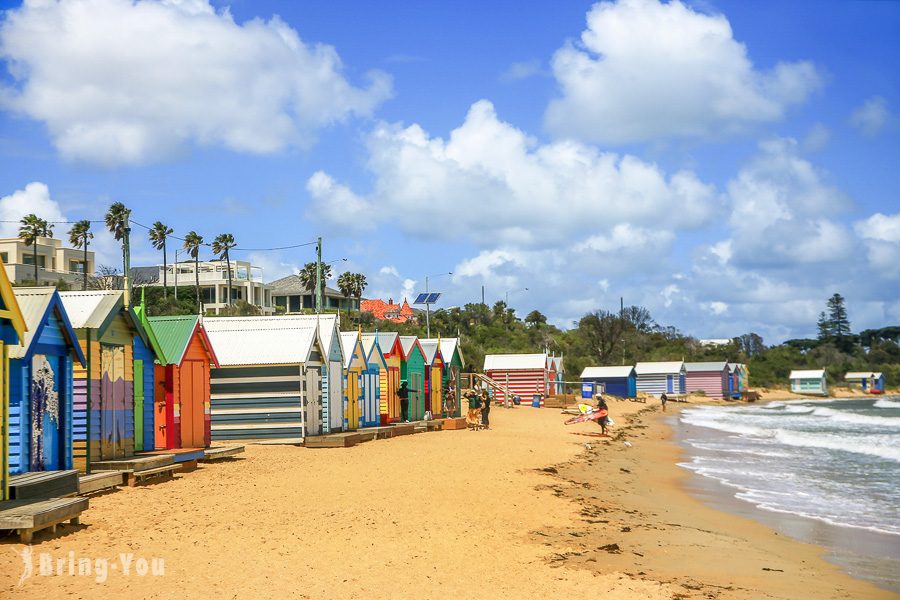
column 817, row 138
column 872, row 117
column 881, row 235
column 521, row 70
column 644, row 69
column 494, row 185
column 881, row 227
column 35, row 198
column 122, row 82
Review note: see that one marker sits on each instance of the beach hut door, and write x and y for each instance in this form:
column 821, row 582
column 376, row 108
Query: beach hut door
column 417, row 399
column 112, row 402
column 46, row 442
column 352, row 409
column 192, row 425
column 670, row 384
column 313, row 393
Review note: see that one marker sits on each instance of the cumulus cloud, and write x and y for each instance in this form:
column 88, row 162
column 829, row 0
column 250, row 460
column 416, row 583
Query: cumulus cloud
column 643, row 69
column 872, row 117
column 35, row 198
column 127, row 82
column 881, row 235
column 521, row 70
column 491, row 183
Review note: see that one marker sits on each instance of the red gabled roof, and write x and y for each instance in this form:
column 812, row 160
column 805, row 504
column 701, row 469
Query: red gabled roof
column 387, row 311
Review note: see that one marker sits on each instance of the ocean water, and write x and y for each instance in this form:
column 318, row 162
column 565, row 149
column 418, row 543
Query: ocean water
column 824, row 471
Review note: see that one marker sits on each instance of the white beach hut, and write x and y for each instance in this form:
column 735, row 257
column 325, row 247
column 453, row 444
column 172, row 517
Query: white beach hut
column 809, row 381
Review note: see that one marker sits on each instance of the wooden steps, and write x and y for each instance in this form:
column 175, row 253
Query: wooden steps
column 43, row 484
column 99, row 481
column 134, row 463
column 28, row 516
column 221, row 452
column 454, row 423
column 333, row 440
column 178, row 454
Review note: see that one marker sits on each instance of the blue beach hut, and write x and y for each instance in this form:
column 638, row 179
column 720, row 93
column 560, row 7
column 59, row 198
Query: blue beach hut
column 618, row 381
column 40, row 384
column 870, row 382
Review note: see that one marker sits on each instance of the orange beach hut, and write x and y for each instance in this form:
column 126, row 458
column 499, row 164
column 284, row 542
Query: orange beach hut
column 181, row 416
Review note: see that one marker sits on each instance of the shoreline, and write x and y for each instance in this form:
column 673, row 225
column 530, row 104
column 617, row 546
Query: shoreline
column 640, row 518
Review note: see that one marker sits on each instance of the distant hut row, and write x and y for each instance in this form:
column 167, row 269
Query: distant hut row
column 88, row 379
column 814, row 382
column 719, row 379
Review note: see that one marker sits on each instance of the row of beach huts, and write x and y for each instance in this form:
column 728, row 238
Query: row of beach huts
column 719, row 379
column 91, row 384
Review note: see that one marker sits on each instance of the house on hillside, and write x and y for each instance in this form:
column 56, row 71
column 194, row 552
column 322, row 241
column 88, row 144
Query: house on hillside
column 809, row 381
column 618, row 381
column 290, row 296
column 658, row 378
column 388, row 311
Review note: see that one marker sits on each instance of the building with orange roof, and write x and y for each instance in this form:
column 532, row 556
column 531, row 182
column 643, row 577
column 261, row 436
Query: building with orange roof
column 388, row 311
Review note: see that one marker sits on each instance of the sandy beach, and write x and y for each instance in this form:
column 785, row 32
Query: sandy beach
column 528, row 509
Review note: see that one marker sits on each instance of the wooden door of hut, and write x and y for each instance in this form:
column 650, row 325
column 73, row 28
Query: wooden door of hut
column 416, row 396
column 352, row 392
column 112, row 402
column 48, row 400
column 313, row 401
column 193, row 383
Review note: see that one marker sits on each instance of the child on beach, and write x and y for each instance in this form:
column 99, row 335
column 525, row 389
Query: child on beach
column 664, row 399
column 604, row 420
column 473, row 417
column 485, row 409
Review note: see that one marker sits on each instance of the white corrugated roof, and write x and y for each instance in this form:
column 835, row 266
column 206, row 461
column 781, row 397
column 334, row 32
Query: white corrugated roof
column 407, row 342
column 88, row 310
column 695, row 367
column 850, row 375
column 448, row 347
column 606, row 372
column 33, row 303
column 807, row 374
column 658, row 368
column 507, row 362
column 430, row 348
column 348, row 346
column 261, row 340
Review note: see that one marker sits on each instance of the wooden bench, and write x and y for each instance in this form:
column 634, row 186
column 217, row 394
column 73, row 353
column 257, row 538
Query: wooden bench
column 333, row 440
column 99, row 481
column 132, row 478
column 28, row 516
column 221, row 452
column 43, row 484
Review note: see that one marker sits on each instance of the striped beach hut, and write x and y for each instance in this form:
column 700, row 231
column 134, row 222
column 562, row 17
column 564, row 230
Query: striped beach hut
column 523, row 374
column 869, row 381
column 557, row 375
column 389, row 378
column 619, row 381
column 434, row 377
column 268, row 384
column 412, row 370
column 183, row 371
column 103, row 415
column 809, row 381
column 658, row 378
column 12, row 334
column 40, row 384
column 375, row 367
column 711, row 378
column 454, row 362
column 329, row 338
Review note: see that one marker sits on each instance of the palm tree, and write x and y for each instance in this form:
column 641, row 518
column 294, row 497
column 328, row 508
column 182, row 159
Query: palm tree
column 32, row 227
column 158, row 235
column 307, row 275
column 80, row 236
column 117, row 223
column 192, row 243
column 351, row 285
column 220, row 247
column 359, row 286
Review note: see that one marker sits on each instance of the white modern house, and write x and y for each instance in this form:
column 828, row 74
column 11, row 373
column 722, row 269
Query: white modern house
column 246, row 282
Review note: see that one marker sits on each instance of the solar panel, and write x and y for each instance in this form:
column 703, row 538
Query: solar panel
column 421, row 299
column 432, row 298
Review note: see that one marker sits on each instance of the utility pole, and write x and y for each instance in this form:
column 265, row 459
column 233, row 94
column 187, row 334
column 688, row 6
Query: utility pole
column 319, row 275
column 127, row 250
column 482, row 294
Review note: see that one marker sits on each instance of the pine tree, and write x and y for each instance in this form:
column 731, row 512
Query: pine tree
column 824, row 326
column 837, row 316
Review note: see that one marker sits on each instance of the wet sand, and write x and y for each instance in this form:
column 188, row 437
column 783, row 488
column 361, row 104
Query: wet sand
column 523, row 510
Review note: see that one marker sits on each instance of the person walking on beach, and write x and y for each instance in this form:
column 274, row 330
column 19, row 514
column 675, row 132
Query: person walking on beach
column 485, row 409
column 664, row 399
column 604, row 420
column 403, row 394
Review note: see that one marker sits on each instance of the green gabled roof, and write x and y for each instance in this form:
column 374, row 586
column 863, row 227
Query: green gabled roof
column 174, row 335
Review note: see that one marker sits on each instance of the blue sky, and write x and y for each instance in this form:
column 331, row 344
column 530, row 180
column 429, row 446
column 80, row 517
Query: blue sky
column 729, row 165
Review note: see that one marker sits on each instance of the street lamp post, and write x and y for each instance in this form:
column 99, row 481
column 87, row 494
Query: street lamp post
column 176, row 273
column 428, row 305
column 508, row 292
